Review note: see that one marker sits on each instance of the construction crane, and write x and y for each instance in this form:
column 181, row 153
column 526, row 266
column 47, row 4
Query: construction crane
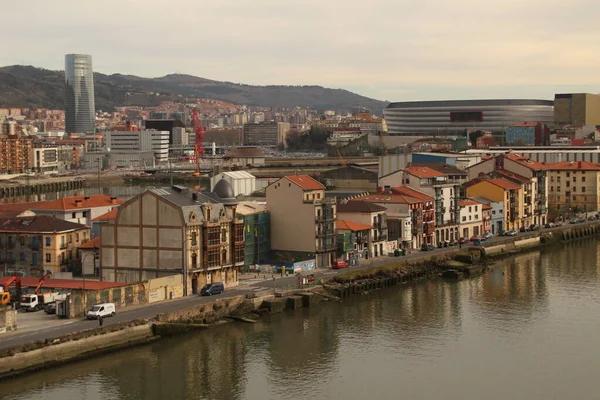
column 199, row 146
column 5, row 295
column 41, row 282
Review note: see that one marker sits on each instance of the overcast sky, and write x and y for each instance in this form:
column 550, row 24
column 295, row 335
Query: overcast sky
column 387, row 49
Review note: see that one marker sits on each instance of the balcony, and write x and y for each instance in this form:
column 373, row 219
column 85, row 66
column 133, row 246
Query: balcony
column 64, row 246
column 429, row 229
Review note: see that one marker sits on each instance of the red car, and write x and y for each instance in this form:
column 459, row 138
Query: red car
column 339, row 264
column 473, row 238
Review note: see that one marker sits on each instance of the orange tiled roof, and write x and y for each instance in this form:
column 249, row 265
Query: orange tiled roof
column 69, row 203
column 306, row 182
column 469, row 202
column 344, row 225
column 573, row 166
column 487, row 207
column 504, row 183
column 408, row 191
column 423, row 172
column 91, row 244
column 109, row 216
column 512, row 175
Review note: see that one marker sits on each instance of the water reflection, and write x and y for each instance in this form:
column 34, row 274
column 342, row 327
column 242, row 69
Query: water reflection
column 531, row 322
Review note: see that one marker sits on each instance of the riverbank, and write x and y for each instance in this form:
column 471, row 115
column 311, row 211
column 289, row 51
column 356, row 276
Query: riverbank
column 457, row 264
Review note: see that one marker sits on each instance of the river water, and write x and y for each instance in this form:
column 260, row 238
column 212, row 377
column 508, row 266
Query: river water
column 527, row 330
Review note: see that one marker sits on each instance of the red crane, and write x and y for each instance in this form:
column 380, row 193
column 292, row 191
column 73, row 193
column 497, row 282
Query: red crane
column 41, row 282
column 199, row 133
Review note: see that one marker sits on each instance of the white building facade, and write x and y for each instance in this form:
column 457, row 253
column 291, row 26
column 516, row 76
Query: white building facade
column 147, row 140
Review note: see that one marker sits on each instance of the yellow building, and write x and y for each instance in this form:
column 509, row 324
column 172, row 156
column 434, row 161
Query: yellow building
column 574, row 187
column 36, row 244
column 501, row 190
column 302, row 219
column 576, row 109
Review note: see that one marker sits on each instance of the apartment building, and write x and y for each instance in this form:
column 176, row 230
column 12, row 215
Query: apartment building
column 16, row 149
column 302, row 219
column 423, row 217
column 471, row 218
column 503, row 191
column 529, row 174
column 495, row 211
column 367, row 214
column 38, row 244
column 576, row 109
column 266, row 133
column 574, row 187
column 139, row 141
column 446, row 195
column 170, row 231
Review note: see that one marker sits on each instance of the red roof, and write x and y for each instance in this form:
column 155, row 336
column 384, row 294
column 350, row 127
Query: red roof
column 408, row 191
column 512, row 175
column 423, row 172
column 344, row 225
column 504, row 183
column 306, row 182
column 91, row 244
column 573, row 166
column 109, row 216
column 76, row 202
column 469, row 202
column 30, row 281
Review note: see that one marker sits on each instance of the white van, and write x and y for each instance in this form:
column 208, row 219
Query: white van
column 102, row 310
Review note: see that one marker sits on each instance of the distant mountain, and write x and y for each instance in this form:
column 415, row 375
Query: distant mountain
column 27, row 86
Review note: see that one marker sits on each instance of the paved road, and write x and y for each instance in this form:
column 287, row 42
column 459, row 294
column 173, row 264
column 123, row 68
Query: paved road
column 248, row 284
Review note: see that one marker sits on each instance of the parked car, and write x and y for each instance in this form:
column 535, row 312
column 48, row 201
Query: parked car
column 453, row 243
column 488, row 235
column 50, row 308
column 574, row 221
column 212, row 288
column 549, row 225
column 102, row 310
column 461, row 240
column 427, row 247
column 533, row 227
column 480, row 241
column 510, row 233
column 523, row 229
column 339, row 264
column 473, row 238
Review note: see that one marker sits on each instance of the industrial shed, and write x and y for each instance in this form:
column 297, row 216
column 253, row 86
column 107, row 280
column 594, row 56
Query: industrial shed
column 242, row 182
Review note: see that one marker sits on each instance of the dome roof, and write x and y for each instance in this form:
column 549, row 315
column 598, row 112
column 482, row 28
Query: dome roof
column 224, row 190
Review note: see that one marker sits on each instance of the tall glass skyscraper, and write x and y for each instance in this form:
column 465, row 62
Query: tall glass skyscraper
column 79, row 103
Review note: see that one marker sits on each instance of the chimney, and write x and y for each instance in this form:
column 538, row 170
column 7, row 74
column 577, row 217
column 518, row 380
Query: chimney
column 113, row 200
column 78, row 203
column 86, row 198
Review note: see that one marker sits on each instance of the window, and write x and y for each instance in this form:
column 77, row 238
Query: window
column 22, row 256
column 476, row 209
column 552, row 188
column 476, row 216
column 239, row 254
column 583, row 179
column 34, row 260
column 574, row 188
column 239, row 233
column 464, row 219
column 213, row 236
column 84, row 214
column 48, row 257
column 583, row 188
column 470, row 218
column 212, row 258
column 22, row 240
column 74, row 215
column 469, row 208
column 48, row 242
column 224, row 257
column 558, row 179
column 224, row 235
column 574, row 198
column 493, row 212
column 568, row 174
column 551, row 179
column 574, row 179
column 194, row 239
column 77, row 237
column 70, row 238
column 568, row 184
